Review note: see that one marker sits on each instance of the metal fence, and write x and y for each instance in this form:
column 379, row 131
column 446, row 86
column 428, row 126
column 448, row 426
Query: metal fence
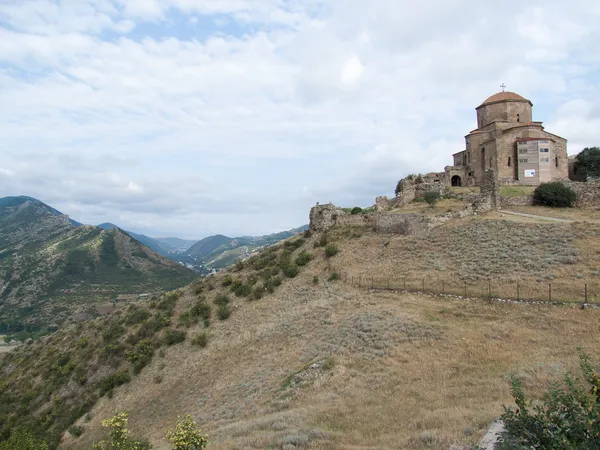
column 523, row 290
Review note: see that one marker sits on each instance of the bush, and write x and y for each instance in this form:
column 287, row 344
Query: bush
column 200, row 340
column 331, row 250
column 227, row 281
column 315, row 280
column 172, row 337
column 186, row 435
column 223, row 312
column 258, row 292
column 334, row 277
column 303, row 258
column 243, row 290
column 290, row 271
column 566, row 418
column 323, row 240
column 588, row 162
column 356, row 210
column 141, row 354
column 201, row 309
column 431, row 197
column 108, row 383
column 554, row 194
column 221, row 300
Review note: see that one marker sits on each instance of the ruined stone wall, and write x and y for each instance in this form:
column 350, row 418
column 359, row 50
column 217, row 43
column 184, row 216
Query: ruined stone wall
column 405, row 224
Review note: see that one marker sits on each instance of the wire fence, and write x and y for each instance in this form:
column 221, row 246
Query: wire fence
column 523, row 290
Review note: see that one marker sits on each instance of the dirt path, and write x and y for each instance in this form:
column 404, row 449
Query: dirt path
column 533, row 216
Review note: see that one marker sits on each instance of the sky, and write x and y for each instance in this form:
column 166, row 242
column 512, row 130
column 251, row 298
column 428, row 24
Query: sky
column 196, row 117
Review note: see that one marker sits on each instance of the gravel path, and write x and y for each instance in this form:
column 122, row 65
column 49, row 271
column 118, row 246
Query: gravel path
column 533, row 216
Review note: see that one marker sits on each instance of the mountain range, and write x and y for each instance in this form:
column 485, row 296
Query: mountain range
column 52, row 267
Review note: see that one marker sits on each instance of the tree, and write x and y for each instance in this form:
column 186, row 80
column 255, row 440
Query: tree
column 186, row 435
column 588, row 162
column 554, row 194
column 118, row 435
column 431, row 197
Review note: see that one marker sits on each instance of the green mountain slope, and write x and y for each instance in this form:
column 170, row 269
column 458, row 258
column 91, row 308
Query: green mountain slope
column 149, row 242
column 217, row 252
column 51, row 269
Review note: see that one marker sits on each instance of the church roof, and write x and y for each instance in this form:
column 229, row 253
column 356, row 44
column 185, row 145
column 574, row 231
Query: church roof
column 504, row 96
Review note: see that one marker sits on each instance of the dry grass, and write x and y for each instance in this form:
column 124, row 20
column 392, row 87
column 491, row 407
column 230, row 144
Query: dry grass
column 331, row 366
column 576, row 214
column 405, row 367
column 481, row 251
column 442, row 206
column 515, row 191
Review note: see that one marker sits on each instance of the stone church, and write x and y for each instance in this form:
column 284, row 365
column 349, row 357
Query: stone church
column 508, row 140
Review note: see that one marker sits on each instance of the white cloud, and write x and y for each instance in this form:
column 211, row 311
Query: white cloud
column 120, row 110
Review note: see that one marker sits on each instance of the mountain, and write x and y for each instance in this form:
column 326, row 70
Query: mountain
column 217, row 252
column 149, row 242
column 175, row 244
column 51, row 269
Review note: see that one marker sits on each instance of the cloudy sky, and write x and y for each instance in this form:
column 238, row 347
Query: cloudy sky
column 195, row 117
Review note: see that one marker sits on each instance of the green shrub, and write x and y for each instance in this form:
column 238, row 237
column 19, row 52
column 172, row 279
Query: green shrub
column 118, row 436
column 221, row 300
column 431, row 197
column 356, row 210
column 334, row 277
column 109, row 382
column 141, row 355
column 568, row 417
column 554, row 194
column 201, row 309
column 331, row 250
column 199, row 288
column 200, row 340
column 227, row 280
column 258, row 292
column 223, row 312
column 172, row 337
column 315, row 280
column 290, row 271
column 239, row 266
column 303, row 258
column 76, row 430
column 243, row 290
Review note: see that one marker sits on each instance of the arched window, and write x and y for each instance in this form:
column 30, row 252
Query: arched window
column 509, row 161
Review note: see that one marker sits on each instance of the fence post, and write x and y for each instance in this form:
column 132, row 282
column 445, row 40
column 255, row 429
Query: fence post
column 549, row 292
column 586, row 292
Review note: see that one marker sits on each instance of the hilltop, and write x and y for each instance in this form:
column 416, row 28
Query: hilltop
column 298, row 354
column 52, row 268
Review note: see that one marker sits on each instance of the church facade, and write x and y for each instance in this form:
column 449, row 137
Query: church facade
column 507, row 140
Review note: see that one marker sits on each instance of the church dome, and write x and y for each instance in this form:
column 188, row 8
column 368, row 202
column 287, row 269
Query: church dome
column 503, row 97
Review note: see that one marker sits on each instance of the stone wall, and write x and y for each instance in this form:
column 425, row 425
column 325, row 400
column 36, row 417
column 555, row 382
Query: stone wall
column 324, row 217
column 588, row 193
column 518, row 200
column 405, row 224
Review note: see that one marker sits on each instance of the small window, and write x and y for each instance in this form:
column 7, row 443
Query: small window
column 509, row 161
column 524, row 160
column 518, row 117
column 522, row 151
column 544, row 150
column 556, row 161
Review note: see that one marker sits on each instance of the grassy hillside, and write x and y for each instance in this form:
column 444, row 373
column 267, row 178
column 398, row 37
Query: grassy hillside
column 50, row 269
column 295, row 357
